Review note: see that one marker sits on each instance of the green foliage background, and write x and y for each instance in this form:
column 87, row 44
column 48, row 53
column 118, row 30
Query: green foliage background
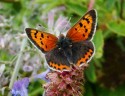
column 100, row 80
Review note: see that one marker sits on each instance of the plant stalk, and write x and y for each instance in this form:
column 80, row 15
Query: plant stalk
column 18, row 64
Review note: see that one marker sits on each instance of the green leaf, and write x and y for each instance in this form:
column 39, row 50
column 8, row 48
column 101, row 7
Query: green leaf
column 51, row 6
column 34, row 92
column 90, row 73
column 99, row 43
column 102, row 91
column 76, row 8
column 44, row 1
column 88, row 90
column 119, row 91
column 117, row 27
column 110, row 3
column 5, row 56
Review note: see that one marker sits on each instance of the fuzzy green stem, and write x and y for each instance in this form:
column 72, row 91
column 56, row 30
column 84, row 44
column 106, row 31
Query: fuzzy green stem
column 8, row 62
column 18, row 64
column 4, row 62
column 19, row 59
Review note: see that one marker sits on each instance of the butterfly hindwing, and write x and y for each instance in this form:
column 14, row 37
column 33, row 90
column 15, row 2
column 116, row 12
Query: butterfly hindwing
column 42, row 40
column 57, row 60
column 84, row 28
column 82, row 52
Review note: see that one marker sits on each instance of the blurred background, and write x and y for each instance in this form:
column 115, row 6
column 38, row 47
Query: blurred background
column 106, row 73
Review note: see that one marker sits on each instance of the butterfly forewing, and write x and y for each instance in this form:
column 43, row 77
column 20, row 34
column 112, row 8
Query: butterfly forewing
column 42, row 40
column 84, row 28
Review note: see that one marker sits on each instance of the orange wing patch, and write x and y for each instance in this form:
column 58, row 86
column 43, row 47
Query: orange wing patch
column 84, row 29
column 44, row 41
column 85, row 58
column 59, row 67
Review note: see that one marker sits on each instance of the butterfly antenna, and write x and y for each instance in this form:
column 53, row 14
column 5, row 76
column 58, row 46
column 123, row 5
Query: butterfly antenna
column 40, row 27
column 66, row 25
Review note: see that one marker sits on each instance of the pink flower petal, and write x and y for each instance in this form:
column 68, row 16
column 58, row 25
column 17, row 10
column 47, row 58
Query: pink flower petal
column 50, row 21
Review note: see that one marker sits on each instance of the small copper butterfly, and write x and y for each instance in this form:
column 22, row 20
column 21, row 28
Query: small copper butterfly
column 74, row 48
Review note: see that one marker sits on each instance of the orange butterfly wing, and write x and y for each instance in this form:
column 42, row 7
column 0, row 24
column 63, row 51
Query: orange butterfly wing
column 44, row 41
column 84, row 28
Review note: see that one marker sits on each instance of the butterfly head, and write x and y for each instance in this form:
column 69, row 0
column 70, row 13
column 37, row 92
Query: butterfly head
column 64, row 43
column 65, row 46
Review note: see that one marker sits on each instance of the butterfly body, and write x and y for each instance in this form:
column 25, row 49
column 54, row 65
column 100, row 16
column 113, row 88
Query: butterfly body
column 65, row 46
column 64, row 42
column 74, row 48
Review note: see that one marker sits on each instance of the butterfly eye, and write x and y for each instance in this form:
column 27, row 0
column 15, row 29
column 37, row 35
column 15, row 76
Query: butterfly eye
column 70, row 45
column 59, row 48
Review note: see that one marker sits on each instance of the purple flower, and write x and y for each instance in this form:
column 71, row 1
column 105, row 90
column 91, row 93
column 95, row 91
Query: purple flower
column 20, row 87
column 56, row 26
column 43, row 75
column 27, row 68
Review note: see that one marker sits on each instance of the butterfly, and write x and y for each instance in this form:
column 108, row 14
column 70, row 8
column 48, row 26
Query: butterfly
column 74, row 48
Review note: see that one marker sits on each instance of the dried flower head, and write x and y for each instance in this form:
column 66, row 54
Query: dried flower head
column 67, row 83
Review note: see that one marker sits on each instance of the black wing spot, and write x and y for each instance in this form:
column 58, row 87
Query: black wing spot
column 81, row 62
column 46, row 46
column 83, row 18
column 83, row 35
column 40, row 38
column 76, row 29
column 89, row 56
column 86, row 59
column 59, row 69
column 42, row 35
column 50, row 65
column 84, row 26
column 64, row 67
column 54, row 67
column 86, row 20
column 86, row 30
column 47, row 36
column 80, row 24
column 36, row 34
column 42, row 43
